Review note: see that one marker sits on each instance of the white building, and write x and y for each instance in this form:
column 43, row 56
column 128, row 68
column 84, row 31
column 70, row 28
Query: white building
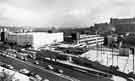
column 35, row 39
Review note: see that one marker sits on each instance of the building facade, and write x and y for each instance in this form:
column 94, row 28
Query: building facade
column 91, row 40
column 123, row 25
column 34, row 39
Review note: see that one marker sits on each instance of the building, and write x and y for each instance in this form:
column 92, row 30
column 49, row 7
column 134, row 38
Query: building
column 91, row 40
column 123, row 25
column 118, row 25
column 122, row 21
column 86, row 39
column 34, row 39
column 104, row 27
column 3, row 34
column 124, row 28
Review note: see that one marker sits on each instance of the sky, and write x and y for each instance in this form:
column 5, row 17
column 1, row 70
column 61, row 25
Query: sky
column 63, row 13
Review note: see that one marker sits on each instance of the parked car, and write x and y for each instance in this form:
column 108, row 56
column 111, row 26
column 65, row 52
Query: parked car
column 45, row 80
column 50, row 67
column 59, row 70
column 36, row 62
column 24, row 71
column 31, row 74
column 10, row 67
column 38, row 77
column 7, row 66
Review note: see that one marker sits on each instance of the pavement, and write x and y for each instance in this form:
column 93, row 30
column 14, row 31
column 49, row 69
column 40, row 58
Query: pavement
column 108, row 58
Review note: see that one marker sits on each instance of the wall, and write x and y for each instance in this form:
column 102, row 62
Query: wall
column 41, row 39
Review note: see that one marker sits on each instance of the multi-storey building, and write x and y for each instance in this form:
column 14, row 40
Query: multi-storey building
column 86, row 39
column 123, row 25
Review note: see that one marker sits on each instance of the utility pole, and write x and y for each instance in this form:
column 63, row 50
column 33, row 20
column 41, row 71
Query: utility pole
column 112, row 53
column 97, row 47
column 133, row 60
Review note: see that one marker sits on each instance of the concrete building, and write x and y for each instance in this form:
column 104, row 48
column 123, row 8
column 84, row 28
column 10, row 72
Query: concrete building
column 86, row 39
column 34, row 39
column 91, row 40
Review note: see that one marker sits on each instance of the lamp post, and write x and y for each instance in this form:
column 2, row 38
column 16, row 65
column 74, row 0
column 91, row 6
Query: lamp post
column 133, row 60
column 97, row 47
column 112, row 52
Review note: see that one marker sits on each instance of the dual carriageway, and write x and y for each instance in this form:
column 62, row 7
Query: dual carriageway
column 73, row 73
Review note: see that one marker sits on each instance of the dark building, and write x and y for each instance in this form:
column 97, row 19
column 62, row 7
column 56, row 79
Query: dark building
column 122, row 21
column 3, row 34
column 72, row 37
column 75, row 35
column 124, row 28
column 123, row 25
column 104, row 27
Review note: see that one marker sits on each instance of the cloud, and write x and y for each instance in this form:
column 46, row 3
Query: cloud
column 63, row 13
column 21, row 16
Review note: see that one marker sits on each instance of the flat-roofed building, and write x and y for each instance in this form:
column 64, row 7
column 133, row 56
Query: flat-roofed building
column 34, row 39
column 86, row 39
column 91, row 40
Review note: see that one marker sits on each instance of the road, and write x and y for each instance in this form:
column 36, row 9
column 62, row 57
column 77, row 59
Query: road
column 18, row 64
column 42, row 72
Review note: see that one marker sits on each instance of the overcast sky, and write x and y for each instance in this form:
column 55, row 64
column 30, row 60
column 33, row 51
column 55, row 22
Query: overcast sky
column 63, row 13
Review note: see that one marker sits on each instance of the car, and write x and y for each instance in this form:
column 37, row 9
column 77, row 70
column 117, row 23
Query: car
column 7, row 66
column 38, row 77
column 2, row 64
column 10, row 67
column 59, row 70
column 24, row 59
column 3, row 54
column 45, row 79
column 7, row 55
column 12, row 54
column 36, row 62
column 24, row 71
column 50, row 67
column 31, row 74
